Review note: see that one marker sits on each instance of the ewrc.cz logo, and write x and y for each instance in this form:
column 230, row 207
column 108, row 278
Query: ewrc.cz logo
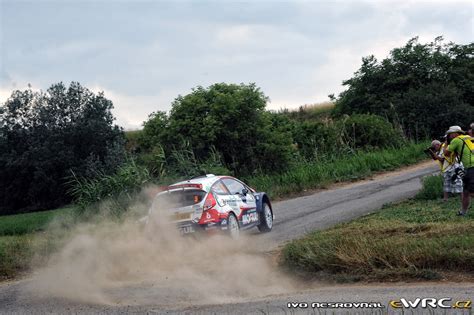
column 430, row 302
column 335, row 305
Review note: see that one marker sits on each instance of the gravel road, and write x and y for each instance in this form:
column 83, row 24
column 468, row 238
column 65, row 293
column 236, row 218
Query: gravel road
column 294, row 218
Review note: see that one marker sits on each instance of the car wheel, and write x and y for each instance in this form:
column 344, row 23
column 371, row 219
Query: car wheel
column 266, row 219
column 233, row 226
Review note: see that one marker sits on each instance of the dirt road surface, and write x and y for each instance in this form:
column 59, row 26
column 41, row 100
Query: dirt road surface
column 269, row 291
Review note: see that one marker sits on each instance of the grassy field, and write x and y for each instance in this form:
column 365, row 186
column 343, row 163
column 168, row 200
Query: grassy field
column 344, row 168
column 20, row 224
column 23, row 238
column 416, row 239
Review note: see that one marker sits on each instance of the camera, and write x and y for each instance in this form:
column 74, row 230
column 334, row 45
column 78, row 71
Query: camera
column 459, row 172
column 430, row 152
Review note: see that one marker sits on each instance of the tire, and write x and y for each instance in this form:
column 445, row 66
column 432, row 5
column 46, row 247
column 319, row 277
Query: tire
column 266, row 219
column 233, row 228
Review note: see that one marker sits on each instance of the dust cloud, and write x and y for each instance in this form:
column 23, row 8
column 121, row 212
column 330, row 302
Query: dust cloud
column 128, row 263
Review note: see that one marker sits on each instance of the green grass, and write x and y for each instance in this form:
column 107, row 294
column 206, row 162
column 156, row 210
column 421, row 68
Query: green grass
column 319, row 174
column 416, row 239
column 29, row 238
column 16, row 253
column 432, row 188
column 26, row 223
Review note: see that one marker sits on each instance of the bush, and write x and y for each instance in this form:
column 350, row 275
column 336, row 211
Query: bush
column 432, row 188
column 369, row 131
column 231, row 119
column 316, row 139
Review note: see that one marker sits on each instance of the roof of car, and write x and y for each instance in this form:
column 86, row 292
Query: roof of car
column 206, row 181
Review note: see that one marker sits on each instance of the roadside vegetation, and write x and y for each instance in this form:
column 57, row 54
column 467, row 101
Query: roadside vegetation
column 321, row 173
column 420, row 239
column 28, row 239
column 61, row 146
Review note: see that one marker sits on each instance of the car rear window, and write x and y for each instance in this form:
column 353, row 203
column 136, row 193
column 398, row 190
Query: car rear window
column 180, row 198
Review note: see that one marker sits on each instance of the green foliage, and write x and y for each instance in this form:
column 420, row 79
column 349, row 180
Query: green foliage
column 227, row 118
column 116, row 190
column 45, row 135
column 424, row 88
column 432, row 188
column 316, row 139
column 132, row 140
column 347, row 167
column 155, row 161
column 184, row 163
column 369, row 131
column 153, row 131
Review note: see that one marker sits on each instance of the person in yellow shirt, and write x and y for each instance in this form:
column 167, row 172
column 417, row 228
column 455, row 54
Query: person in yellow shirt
column 462, row 146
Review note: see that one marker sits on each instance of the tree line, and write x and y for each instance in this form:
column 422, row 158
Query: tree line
column 63, row 143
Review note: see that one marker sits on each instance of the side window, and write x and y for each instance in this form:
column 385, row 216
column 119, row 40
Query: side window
column 219, row 188
column 234, row 186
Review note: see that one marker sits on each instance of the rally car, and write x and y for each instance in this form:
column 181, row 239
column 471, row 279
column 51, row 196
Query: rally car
column 212, row 203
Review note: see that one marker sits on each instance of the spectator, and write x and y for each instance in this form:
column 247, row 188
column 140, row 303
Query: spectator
column 451, row 184
column 462, row 147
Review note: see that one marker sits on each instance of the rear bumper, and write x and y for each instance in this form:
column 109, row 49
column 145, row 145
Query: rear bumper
column 190, row 227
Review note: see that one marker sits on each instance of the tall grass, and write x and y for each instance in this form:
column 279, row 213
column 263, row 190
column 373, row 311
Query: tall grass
column 318, row 174
column 113, row 192
column 317, row 111
column 415, row 239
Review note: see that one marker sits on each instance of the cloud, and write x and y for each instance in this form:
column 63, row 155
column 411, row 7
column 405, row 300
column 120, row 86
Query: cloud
column 143, row 54
column 131, row 111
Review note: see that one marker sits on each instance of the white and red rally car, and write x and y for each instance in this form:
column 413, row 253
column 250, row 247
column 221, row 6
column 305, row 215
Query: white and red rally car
column 210, row 203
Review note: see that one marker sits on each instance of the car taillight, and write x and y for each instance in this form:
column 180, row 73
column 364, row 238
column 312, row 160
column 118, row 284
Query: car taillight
column 210, row 202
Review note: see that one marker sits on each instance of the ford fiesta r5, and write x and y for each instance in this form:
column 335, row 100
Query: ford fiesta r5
column 212, row 203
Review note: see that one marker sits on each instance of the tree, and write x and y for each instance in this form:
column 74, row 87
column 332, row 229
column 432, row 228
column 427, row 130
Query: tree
column 46, row 135
column 228, row 119
column 424, row 88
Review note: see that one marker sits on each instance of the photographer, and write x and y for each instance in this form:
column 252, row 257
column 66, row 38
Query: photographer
column 451, row 183
column 462, row 147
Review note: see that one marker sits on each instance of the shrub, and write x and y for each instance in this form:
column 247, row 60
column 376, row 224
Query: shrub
column 369, row 131
column 231, row 119
column 315, row 139
column 432, row 188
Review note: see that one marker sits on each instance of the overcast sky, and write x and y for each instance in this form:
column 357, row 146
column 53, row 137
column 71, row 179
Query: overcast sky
column 143, row 54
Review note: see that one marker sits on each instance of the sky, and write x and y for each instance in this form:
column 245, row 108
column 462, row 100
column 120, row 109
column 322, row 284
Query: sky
column 143, row 54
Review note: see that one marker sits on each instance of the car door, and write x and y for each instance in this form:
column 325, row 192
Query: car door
column 244, row 201
column 223, row 196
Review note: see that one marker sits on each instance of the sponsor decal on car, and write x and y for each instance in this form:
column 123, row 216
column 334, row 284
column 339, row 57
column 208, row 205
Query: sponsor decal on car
column 249, row 218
